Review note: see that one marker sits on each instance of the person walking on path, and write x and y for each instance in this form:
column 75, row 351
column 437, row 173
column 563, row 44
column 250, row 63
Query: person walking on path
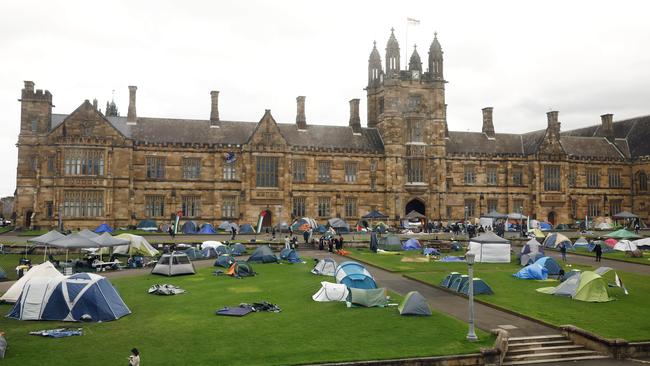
column 134, row 358
column 305, row 235
column 563, row 251
column 171, row 231
column 598, row 249
column 233, row 231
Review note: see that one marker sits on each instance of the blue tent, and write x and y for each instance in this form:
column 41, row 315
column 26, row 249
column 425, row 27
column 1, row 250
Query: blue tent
column 458, row 282
column 207, row 229
column 147, row 225
column 321, row 229
column 550, row 264
column 480, row 288
column 238, row 249
column 103, row 228
column 447, row 281
column 532, row 272
column 429, row 251
column 456, row 247
column 411, row 244
column 263, row 254
column 354, row 275
column 209, row 252
column 222, row 249
column 604, row 247
column 451, row 258
column 189, row 227
column 290, row 255
column 545, row 226
column 224, row 260
column 246, row 229
column 83, row 296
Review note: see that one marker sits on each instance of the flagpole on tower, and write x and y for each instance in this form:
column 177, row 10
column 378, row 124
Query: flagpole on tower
column 409, row 21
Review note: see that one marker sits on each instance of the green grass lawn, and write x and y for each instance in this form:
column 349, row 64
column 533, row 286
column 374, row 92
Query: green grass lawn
column 183, row 329
column 616, row 319
column 618, row 255
column 8, row 262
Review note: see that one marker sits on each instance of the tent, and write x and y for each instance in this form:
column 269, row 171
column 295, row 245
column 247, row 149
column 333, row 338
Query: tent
column 554, row 240
column 490, row 248
column 103, row 228
column 304, row 224
column 282, row 227
column 367, row 297
column 550, row 264
column 227, row 226
column 389, row 242
column 611, row 242
column 222, row 249
column 290, row 255
column 193, row 253
column 480, row 288
column 88, row 234
column 532, row 272
column 3, row 274
column 495, row 215
column 530, row 250
column 581, row 242
column 46, row 238
column 238, row 249
column 174, row 264
column 224, row 260
column 411, row 244
column 211, row 244
column 207, row 228
column 44, row 270
column 325, row 267
column 431, row 251
column 106, row 240
column 625, row 246
column 585, row 286
column 137, row 246
column 240, row 269
column 82, row 296
column 456, row 247
column 527, row 259
column 354, row 275
column 458, row 283
column 536, row 233
column 189, row 227
column 545, row 226
column 642, row 243
column 624, row 215
column 147, row 225
column 414, row 304
column 263, row 254
column 604, row 226
column 622, row 234
column 447, row 281
column 246, row 229
column 321, row 229
column 331, row 292
column 339, row 225
column 517, row 216
column 374, row 214
column 209, row 252
column 74, row 241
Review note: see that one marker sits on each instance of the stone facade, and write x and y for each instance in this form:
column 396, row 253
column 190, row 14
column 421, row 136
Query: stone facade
column 89, row 168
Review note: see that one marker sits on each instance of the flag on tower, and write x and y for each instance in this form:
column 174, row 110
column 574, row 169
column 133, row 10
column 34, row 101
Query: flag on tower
column 412, row 21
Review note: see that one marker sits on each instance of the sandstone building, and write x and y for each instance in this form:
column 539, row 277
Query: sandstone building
column 89, row 167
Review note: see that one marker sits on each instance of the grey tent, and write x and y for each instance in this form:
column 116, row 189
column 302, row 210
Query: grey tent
column 414, row 215
column 367, row 297
column 625, row 215
column 88, row 234
column 480, row 287
column 224, row 260
column 107, row 240
column 374, row 214
column 263, row 254
column 339, row 225
column 325, row 267
column 46, row 238
column 389, row 242
column 193, row 253
column 174, row 264
column 73, row 241
column 449, row 279
column 414, row 304
column 238, row 249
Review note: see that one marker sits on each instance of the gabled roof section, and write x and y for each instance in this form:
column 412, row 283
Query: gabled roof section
column 267, row 132
column 85, row 112
column 635, row 132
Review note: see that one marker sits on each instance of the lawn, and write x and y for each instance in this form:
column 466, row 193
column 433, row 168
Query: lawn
column 8, row 262
column 616, row 319
column 618, row 255
column 184, row 330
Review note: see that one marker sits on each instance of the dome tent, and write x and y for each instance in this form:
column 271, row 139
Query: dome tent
column 246, row 229
column 529, row 251
column 82, row 296
column 389, row 242
column 367, row 297
column 103, row 228
column 532, row 272
column 411, row 244
column 44, row 270
column 480, row 287
column 209, row 252
column 414, row 304
column 554, row 240
column 238, row 249
column 147, row 225
column 207, row 228
column 458, row 283
column 552, row 266
column 290, row 255
column 189, row 227
column 263, row 254
column 193, row 253
column 585, row 286
column 625, row 246
column 138, row 245
column 224, row 260
column 174, row 264
column 227, row 226
column 223, row 249
column 449, row 279
column 325, row 267
column 581, row 242
column 240, row 269
column 331, row 292
column 354, row 275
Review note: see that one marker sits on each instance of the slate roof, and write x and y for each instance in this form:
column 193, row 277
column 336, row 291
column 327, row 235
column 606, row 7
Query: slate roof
column 479, row 143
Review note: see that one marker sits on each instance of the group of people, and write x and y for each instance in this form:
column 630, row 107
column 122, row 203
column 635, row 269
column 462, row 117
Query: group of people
column 332, row 243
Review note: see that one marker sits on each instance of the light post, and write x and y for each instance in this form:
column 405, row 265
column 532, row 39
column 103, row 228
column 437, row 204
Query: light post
column 521, row 220
column 471, row 335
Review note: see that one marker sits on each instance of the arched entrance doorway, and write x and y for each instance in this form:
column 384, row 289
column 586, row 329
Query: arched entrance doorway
column 267, row 221
column 28, row 219
column 551, row 218
column 415, row 205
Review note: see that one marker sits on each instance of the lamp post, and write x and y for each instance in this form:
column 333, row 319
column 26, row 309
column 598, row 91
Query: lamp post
column 471, row 334
column 465, row 222
column 521, row 220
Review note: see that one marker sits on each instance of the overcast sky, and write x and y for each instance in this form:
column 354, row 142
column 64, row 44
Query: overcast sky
column 524, row 58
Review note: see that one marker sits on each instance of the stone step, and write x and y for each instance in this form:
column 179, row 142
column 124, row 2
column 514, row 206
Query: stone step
column 547, row 355
column 534, row 350
column 554, row 360
column 541, row 338
column 539, row 344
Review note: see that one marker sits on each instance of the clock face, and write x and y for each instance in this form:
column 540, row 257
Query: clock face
column 415, row 74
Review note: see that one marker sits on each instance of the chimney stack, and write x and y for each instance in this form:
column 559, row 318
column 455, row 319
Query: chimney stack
column 553, row 124
column 132, row 117
column 355, row 121
column 301, row 120
column 488, row 124
column 29, row 86
column 608, row 126
column 214, row 109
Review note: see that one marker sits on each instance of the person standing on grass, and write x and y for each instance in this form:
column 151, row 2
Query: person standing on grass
column 233, row 231
column 563, row 251
column 134, row 358
column 598, row 249
column 287, row 242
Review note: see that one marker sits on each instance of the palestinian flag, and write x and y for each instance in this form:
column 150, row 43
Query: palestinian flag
column 619, row 283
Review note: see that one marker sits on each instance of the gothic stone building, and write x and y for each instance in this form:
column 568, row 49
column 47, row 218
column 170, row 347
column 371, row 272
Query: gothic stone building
column 89, row 167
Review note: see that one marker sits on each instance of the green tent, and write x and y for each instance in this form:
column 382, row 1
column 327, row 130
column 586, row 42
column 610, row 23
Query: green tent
column 622, row 234
column 592, row 287
column 389, row 242
column 367, row 297
column 414, row 304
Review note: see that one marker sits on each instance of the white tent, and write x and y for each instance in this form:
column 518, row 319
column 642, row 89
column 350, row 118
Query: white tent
column 45, row 270
column 625, row 246
column 642, row 242
column 325, row 267
column 331, row 292
column 173, row 264
column 137, row 246
column 490, row 248
column 211, row 244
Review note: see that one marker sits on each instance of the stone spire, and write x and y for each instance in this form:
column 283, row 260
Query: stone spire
column 131, row 116
column 435, row 58
column 415, row 63
column 374, row 66
column 392, row 55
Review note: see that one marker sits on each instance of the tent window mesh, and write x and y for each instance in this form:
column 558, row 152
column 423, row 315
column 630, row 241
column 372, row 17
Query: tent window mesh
column 83, row 203
column 84, row 162
column 154, row 206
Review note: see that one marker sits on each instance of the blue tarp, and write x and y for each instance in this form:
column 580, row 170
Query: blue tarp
column 430, row 251
column 532, row 272
column 103, row 228
column 551, row 265
column 411, row 244
column 207, row 229
column 451, row 258
column 290, row 255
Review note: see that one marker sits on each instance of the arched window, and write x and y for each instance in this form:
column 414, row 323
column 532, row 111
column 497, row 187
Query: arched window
column 643, row 181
